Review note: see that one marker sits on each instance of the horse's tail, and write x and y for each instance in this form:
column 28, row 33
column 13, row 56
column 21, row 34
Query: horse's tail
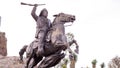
column 22, row 51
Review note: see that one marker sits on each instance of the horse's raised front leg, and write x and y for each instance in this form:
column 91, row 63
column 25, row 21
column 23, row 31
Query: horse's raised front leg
column 77, row 46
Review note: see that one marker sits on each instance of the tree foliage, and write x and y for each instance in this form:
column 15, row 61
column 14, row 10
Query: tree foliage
column 102, row 65
column 94, row 62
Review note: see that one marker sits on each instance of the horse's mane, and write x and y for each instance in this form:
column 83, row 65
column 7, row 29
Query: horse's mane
column 54, row 20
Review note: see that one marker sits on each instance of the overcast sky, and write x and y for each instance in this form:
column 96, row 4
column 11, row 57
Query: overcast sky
column 97, row 26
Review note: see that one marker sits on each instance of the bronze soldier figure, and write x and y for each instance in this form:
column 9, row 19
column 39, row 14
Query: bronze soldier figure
column 43, row 25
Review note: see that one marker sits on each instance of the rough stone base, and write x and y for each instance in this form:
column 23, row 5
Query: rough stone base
column 3, row 44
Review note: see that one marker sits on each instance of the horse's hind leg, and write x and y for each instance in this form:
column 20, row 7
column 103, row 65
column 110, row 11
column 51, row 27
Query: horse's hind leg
column 21, row 52
column 35, row 61
column 29, row 57
column 21, row 59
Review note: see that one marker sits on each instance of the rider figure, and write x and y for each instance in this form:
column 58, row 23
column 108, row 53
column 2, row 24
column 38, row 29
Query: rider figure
column 43, row 25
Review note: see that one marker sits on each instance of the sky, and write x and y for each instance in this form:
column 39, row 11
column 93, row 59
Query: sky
column 96, row 29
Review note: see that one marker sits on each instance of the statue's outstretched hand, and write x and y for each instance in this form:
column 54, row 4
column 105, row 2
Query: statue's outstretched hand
column 22, row 3
column 36, row 5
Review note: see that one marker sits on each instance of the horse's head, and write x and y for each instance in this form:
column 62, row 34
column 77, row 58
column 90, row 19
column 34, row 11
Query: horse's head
column 62, row 17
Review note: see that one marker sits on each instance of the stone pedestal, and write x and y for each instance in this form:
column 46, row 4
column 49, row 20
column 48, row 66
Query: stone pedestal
column 3, row 44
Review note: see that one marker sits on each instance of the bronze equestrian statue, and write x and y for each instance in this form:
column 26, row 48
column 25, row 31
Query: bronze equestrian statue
column 51, row 50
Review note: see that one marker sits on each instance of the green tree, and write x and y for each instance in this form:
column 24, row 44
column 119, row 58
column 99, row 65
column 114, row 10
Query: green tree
column 94, row 62
column 64, row 65
column 102, row 65
column 73, row 56
column 73, row 60
column 69, row 36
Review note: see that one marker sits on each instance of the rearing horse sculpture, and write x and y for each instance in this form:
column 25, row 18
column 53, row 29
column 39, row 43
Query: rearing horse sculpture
column 52, row 50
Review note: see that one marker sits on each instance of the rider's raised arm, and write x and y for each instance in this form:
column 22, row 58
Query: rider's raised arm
column 33, row 12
